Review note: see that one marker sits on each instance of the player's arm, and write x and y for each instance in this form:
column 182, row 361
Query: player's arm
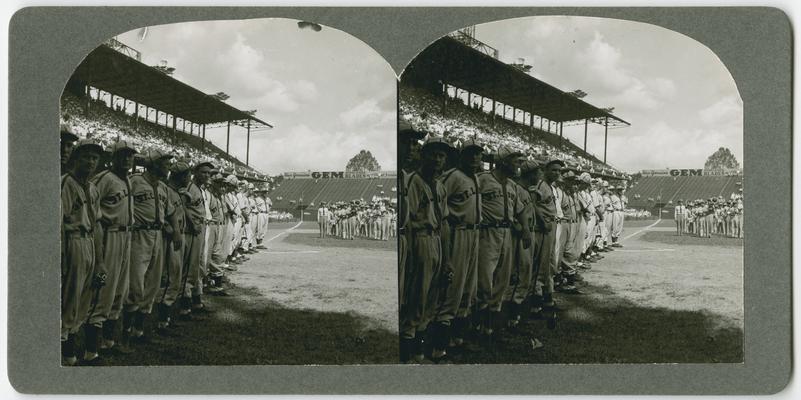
column 522, row 206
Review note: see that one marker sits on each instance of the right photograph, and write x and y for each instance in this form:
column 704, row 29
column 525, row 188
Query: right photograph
column 570, row 191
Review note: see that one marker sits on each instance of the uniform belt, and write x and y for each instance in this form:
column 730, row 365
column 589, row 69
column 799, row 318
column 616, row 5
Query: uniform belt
column 155, row 226
column 428, row 230
column 119, row 228
column 81, row 234
column 467, row 226
column 504, row 225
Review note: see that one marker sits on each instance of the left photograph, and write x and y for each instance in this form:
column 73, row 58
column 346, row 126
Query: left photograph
column 228, row 196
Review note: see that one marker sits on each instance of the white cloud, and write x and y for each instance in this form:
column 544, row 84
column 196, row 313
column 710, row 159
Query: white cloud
column 724, row 111
column 364, row 111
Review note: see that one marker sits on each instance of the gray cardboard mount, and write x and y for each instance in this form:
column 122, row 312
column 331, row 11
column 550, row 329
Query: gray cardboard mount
column 46, row 44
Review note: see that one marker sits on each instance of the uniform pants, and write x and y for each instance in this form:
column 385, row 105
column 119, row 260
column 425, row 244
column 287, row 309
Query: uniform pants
column 215, row 259
column 403, row 259
column 252, row 224
column 578, row 239
column 461, row 248
column 589, row 233
column 609, row 220
column 681, row 225
column 147, row 258
column 617, row 224
column 422, row 288
column 323, row 225
column 544, row 248
column 567, row 242
column 173, row 264
column 193, row 277
column 494, row 266
column 523, row 267
column 262, row 226
column 230, row 230
column 77, row 270
column 117, row 260
column 558, row 248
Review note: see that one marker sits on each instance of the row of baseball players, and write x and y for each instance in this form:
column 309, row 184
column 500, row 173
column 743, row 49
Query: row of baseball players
column 479, row 250
column 133, row 242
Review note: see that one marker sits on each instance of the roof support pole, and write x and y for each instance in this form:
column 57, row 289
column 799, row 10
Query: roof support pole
column 585, row 135
column 88, row 102
column 494, row 111
column 227, row 137
column 470, row 99
column 247, row 151
column 560, row 126
column 531, row 121
column 174, row 138
column 606, row 134
column 540, row 123
column 203, row 146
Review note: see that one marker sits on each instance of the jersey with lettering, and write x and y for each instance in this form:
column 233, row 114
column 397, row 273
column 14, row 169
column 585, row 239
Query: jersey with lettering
column 79, row 204
column 194, row 205
column 463, row 197
column 116, row 202
column 426, row 208
column 499, row 202
column 146, row 209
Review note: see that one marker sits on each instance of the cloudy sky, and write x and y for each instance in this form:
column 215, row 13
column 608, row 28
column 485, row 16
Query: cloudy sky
column 328, row 94
column 681, row 101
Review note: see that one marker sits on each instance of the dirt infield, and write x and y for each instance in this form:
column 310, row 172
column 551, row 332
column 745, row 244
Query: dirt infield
column 648, row 302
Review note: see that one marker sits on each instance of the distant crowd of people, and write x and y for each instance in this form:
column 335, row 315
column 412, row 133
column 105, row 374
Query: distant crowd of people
column 714, row 216
column 108, row 123
column 375, row 220
column 422, row 109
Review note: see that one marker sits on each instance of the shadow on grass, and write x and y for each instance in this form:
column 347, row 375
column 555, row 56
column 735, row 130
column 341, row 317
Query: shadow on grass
column 670, row 237
column 313, row 240
column 246, row 329
column 615, row 330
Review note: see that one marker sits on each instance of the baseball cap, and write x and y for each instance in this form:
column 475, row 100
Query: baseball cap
column 67, row 134
column 204, row 163
column 585, row 177
column 87, row 145
column 605, row 184
column 179, row 167
column 437, row 143
column 250, row 186
column 122, row 145
column 405, row 130
column 506, row 151
column 569, row 175
column 529, row 166
column 153, row 155
column 555, row 161
column 471, row 144
column 231, row 180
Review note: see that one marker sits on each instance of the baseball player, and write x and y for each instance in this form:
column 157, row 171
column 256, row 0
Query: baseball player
column 460, row 247
column 500, row 208
column 116, row 220
column 523, row 264
column 215, row 233
column 261, row 224
column 545, row 212
column 617, row 215
column 194, row 235
column 147, row 255
column 322, row 219
column 232, row 219
column 81, row 263
column 68, row 139
column 408, row 154
column 173, row 246
column 426, row 211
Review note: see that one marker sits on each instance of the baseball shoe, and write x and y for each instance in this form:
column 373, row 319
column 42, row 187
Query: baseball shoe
column 69, row 361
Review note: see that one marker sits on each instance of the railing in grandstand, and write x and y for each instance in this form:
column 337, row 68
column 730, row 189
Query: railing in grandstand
column 467, row 36
column 124, row 49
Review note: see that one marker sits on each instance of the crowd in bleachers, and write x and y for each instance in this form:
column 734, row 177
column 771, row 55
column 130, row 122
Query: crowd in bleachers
column 107, row 123
column 422, row 110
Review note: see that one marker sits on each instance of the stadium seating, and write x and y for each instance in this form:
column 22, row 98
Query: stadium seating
column 107, row 125
column 287, row 194
column 668, row 188
column 422, row 109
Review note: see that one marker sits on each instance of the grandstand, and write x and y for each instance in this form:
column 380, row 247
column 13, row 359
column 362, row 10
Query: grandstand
column 650, row 191
column 127, row 93
column 291, row 193
column 451, row 88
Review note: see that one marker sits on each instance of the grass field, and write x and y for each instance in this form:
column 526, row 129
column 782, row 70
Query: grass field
column 292, row 304
column 656, row 300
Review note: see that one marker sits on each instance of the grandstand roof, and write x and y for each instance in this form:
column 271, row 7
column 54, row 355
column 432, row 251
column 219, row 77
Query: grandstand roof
column 109, row 70
column 459, row 65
